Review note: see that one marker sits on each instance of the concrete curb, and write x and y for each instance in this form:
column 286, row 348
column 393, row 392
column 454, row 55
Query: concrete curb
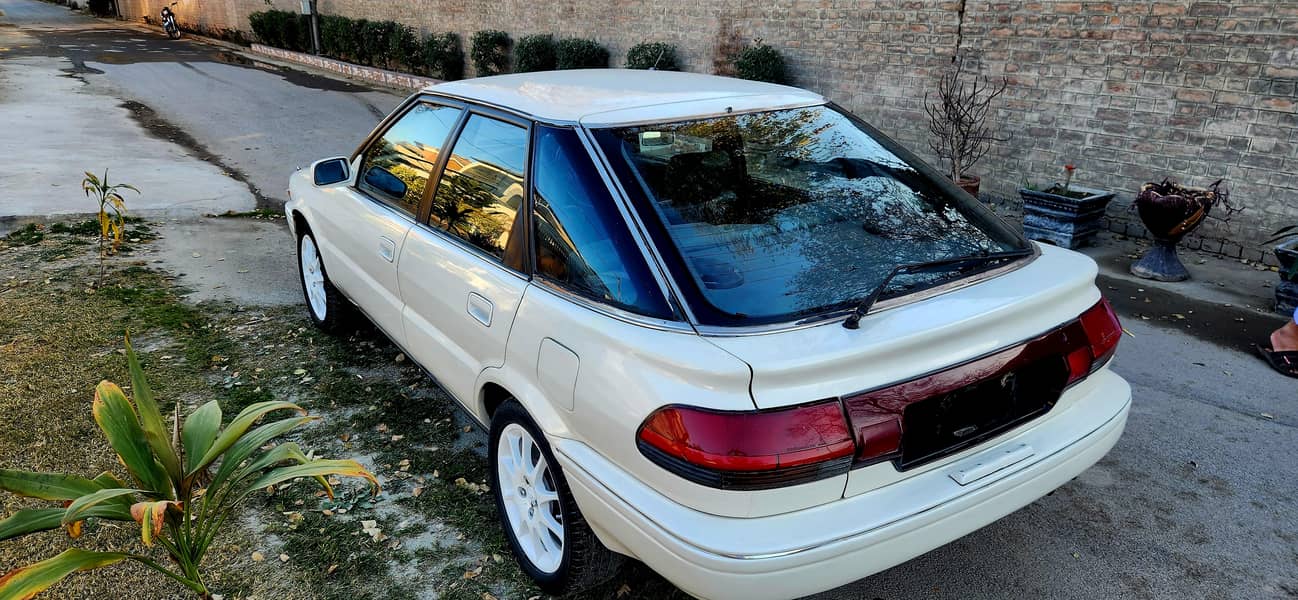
column 371, row 74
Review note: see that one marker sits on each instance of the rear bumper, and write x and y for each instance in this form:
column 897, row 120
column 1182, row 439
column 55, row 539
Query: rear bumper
column 820, row 548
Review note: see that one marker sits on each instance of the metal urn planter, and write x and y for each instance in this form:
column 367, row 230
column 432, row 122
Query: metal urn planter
column 1068, row 221
column 1171, row 211
column 1286, row 293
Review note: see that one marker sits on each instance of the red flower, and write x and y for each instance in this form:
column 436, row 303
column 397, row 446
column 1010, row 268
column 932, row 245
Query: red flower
column 1070, row 168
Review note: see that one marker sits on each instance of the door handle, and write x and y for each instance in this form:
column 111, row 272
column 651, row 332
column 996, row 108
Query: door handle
column 480, row 308
column 387, row 249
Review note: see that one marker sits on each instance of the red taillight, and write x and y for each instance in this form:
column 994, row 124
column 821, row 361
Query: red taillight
column 1102, row 329
column 751, row 449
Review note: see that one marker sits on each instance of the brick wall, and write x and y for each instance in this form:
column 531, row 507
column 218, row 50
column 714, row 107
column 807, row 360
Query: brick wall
column 1128, row 91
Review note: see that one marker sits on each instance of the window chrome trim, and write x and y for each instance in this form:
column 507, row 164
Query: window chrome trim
column 702, row 116
column 606, row 310
column 836, row 317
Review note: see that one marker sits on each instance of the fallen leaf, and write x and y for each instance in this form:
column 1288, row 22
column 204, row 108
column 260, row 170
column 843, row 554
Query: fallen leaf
column 258, row 557
column 283, row 558
column 331, row 569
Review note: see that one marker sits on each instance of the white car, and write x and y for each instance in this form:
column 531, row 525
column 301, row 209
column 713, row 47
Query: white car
column 719, row 326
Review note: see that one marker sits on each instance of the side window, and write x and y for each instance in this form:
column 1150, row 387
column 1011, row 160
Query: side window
column 396, row 167
column 480, row 195
column 582, row 242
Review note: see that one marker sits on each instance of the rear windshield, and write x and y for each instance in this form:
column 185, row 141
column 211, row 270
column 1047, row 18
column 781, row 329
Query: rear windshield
column 786, row 215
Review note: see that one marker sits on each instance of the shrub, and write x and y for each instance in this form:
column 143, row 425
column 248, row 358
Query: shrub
column 442, row 57
column 100, row 8
column 760, row 62
column 375, row 37
column 652, row 55
column 490, row 52
column 336, row 36
column 282, row 29
column 578, row 53
column 403, row 46
column 535, row 53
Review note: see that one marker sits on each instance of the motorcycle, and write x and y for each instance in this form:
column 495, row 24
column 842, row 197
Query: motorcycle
column 169, row 22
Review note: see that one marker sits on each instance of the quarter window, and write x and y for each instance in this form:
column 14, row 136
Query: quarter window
column 480, row 194
column 582, row 242
column 396, row 166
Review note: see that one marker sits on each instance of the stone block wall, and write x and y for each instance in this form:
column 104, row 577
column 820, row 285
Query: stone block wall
column 1128, row 91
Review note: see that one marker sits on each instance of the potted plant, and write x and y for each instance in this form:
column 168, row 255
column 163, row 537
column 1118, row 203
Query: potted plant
column 1286, row 294
column 957, row 118
column 1066, row 215
column 1171, row 211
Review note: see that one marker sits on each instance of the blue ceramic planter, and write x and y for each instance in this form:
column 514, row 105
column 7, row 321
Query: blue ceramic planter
column 1062, row 220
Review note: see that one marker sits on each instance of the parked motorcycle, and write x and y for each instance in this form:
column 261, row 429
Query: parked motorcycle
column 169, row 22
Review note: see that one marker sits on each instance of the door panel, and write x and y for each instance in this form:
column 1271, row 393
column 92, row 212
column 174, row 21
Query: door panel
column 461, row 275
column 349, row 227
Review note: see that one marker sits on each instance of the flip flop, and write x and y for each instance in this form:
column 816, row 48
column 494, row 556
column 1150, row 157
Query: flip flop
column 1285, row 363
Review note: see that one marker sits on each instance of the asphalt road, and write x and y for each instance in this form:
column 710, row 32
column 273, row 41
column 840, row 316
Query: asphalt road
column 1198, row 500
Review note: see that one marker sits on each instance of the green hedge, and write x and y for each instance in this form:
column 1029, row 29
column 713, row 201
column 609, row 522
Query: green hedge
column 385, row 44
column 535, row 53
column 490, row 52
column 577, row 53
column 652, row 55
column 760, row 62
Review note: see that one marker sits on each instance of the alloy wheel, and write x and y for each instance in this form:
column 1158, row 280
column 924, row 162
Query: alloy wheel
column 530, row 498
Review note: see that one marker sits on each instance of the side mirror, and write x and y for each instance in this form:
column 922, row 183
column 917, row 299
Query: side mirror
column 331, row 171
column 384, row 181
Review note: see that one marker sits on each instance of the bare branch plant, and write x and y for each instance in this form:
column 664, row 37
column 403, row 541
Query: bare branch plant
column 958, row 119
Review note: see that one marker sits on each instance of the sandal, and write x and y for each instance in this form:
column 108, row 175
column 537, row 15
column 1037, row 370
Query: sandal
column 1285, row 363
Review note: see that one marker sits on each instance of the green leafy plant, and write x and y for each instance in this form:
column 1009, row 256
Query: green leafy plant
column 375, row 37
column 490, row 52
column 579, row 53
column 535, row 53
column 184, row 483
column 112, row 213
column 659, row 56
column 404, row 46
column 336, row 37
column 442, row 57
column 761, row 62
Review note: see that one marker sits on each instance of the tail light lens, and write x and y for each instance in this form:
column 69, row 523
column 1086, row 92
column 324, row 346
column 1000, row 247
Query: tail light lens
column 1102, row 329
column 752, row 449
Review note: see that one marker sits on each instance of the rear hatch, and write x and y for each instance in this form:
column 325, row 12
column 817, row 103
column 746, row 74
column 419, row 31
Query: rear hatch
column 999, row 332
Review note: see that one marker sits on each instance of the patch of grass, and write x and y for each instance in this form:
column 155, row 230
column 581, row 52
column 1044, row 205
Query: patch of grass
column 260, row 213
column 27, row 235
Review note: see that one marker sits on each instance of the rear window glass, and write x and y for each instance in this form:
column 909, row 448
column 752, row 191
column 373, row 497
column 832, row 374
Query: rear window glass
column 778, row 216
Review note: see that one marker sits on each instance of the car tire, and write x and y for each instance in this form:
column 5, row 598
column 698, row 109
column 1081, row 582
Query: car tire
column 328, row 308
column 580, row 561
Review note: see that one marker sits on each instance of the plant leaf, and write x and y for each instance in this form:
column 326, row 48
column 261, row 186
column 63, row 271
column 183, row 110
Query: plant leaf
column 251, row 442
column 26, row 582
column 240, row 425
column 319, row 468
column 32, row 520
column 76, row 510
column 150, row 516
column 155, row 431
column 53, row 486
column 118, row 420
column 201, row 427
column 280, row 454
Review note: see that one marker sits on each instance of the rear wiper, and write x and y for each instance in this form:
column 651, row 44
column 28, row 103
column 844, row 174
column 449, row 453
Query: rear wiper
column 854, row 320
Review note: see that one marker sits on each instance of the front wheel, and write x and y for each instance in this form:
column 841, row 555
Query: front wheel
column 328, row 308
column 173, row 32
column 547, row 533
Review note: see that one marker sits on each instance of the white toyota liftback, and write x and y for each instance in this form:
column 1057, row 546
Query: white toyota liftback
column 720, row 326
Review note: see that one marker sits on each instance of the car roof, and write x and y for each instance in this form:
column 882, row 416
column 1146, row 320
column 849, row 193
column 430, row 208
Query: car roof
column 614, row 96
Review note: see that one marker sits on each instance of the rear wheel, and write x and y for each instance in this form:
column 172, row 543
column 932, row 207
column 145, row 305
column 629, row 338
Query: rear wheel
column 326, row 305
column 546, row 531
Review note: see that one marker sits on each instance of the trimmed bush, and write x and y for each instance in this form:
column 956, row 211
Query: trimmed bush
column 490, row 52
column 100, row 8
column 404, row 46
column 376, row 37
column 442, row 57
column 336, row 37
column 659, row 56
column 535, row 53
column 282, row 29
column 578, row 53
column 760, row 62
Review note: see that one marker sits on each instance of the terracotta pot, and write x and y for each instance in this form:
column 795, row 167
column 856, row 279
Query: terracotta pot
column 969, row 183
